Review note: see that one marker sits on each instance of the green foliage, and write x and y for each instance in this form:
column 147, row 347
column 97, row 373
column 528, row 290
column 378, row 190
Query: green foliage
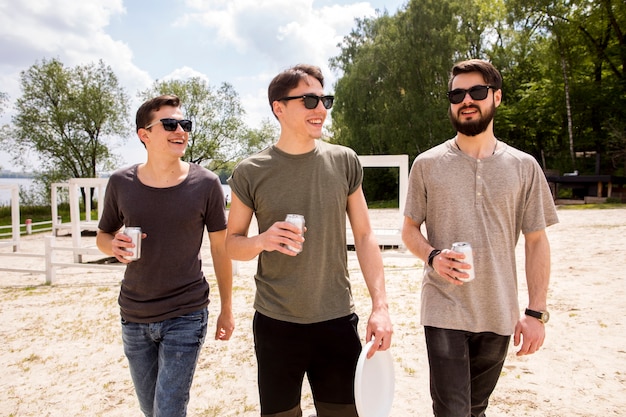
column 67, row 117
column 4, row 98
column 574, row 76
column 388, row 91
column 381, row 184
column 40, row 213
column 563, row 63
column 35, row 213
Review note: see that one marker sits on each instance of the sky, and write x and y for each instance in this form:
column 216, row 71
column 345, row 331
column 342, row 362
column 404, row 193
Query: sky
column 241, row 42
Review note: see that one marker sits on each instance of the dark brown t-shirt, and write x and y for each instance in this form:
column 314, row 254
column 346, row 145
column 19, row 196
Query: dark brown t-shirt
column 168, row 280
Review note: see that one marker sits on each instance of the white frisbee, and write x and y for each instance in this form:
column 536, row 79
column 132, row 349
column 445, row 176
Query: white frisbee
column 374, row 383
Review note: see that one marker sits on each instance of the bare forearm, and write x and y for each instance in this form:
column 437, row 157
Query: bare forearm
column 243, row 248
column 103, row 241
column 537, row 262
column 371, row 264
column 415, row 241
column 223, row 268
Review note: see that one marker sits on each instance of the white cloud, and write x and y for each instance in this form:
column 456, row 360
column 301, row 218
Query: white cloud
column 50, row 28
column 242, row 42
column 74, row 32
column 272, row 35
column 185, row 73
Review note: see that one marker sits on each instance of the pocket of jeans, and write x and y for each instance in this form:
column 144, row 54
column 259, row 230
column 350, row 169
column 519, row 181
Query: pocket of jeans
column 199, row 316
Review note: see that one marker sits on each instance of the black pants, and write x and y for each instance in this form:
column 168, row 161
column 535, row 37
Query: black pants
column 327, row 352
column 464, row 370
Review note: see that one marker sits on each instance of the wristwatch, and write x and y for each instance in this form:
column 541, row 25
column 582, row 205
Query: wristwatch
column 542, row 316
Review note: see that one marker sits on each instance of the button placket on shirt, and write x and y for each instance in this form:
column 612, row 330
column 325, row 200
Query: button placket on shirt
column 479, row 181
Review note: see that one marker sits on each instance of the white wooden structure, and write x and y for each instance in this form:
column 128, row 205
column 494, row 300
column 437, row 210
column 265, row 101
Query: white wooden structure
column 388, row 237
column 15, row 216
column 77, row 225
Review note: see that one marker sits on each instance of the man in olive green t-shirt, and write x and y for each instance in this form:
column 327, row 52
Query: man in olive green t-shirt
column 305, row 321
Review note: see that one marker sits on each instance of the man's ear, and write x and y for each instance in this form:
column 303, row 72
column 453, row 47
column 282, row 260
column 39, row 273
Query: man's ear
column 497, row 97
column 277, row 108
column 143, row 135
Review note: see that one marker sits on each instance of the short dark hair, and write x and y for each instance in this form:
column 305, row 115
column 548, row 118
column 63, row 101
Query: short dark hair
column 490, row 74
column 148, row 108
column 289, row 79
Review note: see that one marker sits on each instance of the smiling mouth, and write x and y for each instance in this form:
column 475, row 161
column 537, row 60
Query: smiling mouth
column 469, row 110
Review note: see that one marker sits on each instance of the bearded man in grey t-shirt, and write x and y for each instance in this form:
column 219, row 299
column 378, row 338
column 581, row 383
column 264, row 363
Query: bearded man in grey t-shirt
column 475, row 188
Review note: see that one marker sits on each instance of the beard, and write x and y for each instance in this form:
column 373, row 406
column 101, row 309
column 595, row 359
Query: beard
column 473, row 127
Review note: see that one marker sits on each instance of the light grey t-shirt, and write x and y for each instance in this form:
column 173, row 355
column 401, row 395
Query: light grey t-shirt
column 313, row 286
column 486, row 202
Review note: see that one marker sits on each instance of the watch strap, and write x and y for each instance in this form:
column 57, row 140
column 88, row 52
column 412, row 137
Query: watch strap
column 431, row 256
column 539, row 315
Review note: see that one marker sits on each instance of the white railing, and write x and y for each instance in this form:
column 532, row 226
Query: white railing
column 27, row 228
column 15, row 217
column 51, row 264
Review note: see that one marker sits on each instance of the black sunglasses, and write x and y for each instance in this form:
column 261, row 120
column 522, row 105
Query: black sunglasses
column 311, row 100
column 172, row 124
column 477, row 92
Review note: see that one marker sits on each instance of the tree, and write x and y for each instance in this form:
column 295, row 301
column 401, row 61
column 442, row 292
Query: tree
column 220, row 135
column 586, row 60
column 65, row 117
column 4, row 98
column 563, row 64
column 391, row 95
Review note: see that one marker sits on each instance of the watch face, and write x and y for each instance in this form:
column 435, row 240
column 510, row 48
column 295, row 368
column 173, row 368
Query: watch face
column 545, row 316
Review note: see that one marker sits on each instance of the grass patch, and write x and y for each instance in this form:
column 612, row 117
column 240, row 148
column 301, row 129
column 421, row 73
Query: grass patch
column 41, row 214
column 384, row 204
column 602, row 206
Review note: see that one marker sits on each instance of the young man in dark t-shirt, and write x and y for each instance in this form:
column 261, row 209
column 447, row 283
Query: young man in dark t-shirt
column 164, row 295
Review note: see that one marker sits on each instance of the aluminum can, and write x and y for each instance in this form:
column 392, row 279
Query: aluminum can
column 135, row 235
column 466, row 249
column 298, row 221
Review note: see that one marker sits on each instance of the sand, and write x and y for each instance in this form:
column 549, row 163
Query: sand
column 61, row 351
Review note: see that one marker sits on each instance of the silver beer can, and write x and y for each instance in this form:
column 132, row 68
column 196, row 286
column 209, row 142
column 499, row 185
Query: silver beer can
column 135, row 235
column 298, row 221
column 466, row 249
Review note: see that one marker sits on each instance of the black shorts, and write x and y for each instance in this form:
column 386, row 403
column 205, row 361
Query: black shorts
column 327, row 352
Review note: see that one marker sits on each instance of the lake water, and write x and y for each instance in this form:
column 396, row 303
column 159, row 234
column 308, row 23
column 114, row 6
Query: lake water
column 27, row 184
column 5, row 193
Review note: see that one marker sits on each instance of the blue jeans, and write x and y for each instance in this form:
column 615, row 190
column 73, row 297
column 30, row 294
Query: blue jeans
column 464, row 370
column 162, row 359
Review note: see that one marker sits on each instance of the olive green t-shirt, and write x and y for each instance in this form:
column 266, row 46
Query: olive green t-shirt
column 313, row 286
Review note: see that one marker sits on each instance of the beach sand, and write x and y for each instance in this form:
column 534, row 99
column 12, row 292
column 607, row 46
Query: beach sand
column 61, row 352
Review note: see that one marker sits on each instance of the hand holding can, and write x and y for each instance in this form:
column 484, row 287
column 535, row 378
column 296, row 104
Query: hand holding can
column 466, row 249
column 298, row 221
column 135, row 234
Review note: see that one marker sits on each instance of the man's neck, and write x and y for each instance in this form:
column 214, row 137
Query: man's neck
column 479, row 147
column 162, row 174
column 296, row 145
